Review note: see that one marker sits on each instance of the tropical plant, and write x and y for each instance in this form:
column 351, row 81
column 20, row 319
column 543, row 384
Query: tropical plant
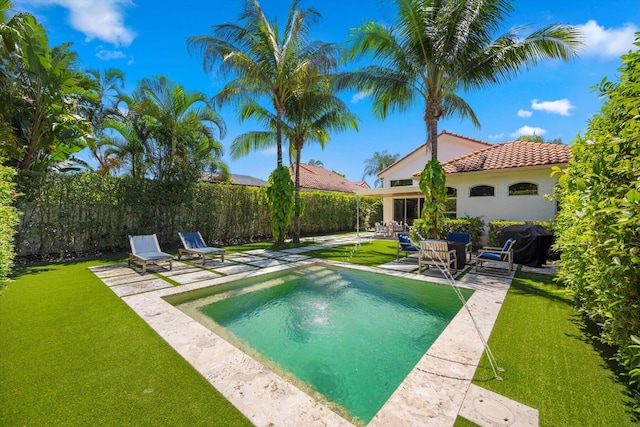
column 598, row 226
column 314, row 162
column 168, row 132
column 439, row 47
column 433, row 185
column 45, row 100
column 310, row 118
column 280, row 190
column 266, row 63
column 378, row 162
column 109, row 82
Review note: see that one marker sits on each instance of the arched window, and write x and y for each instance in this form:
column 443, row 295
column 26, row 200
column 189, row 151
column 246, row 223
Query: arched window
column 481, row 191
column 452, row 203
column 523, row 189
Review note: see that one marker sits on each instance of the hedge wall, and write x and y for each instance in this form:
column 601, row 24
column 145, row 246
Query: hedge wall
column 86, row 213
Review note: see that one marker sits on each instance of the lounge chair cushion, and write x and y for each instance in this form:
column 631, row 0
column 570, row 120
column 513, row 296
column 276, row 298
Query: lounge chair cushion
column 405, row 243
column 491, row 256
column 152, row 255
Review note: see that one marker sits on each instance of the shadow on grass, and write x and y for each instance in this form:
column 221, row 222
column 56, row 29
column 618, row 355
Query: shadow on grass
column 591, row 335
column 40, row 267
column 522, row 285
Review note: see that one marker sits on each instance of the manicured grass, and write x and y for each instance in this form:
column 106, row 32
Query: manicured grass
column 550, row 363
column 369, row 253
column 72, row 353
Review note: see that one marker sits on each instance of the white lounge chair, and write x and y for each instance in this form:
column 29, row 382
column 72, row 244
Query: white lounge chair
column 146, row 250
column 436, row 252
column 194, row 244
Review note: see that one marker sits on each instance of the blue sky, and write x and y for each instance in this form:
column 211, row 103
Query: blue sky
column 144, row 38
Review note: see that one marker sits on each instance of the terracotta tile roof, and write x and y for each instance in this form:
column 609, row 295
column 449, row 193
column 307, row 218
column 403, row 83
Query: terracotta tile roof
column 319, row 178
column 513, row 154
column 422, row 147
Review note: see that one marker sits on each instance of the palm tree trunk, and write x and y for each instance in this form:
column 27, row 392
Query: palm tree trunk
column 296, row 215
column 279, row 135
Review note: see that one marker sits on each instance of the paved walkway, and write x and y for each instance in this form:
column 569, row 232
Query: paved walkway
column 436, row 391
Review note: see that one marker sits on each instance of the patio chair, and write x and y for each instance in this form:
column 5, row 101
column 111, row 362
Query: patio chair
column 405, row 245
column 381, row 230
column 436, row 252
column 194, row 244
column 461, row 238
column 146, row 250
column 503, row 254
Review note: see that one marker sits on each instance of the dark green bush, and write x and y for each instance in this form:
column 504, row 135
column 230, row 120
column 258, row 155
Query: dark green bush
column 472, row 225
column 9, row 217
column 87, row 213
column 598, row 226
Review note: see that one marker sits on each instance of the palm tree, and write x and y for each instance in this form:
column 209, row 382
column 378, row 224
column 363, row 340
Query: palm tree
column 169, row 132
column 108, row 82
column 313, row 162
column 267, row 63
column 378, row 162
column 439, row 47
column 264, row 61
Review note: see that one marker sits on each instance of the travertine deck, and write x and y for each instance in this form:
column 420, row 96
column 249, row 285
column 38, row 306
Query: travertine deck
column 432, row 394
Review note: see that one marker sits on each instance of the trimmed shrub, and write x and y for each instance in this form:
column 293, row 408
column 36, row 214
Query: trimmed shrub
column 85, row 214
column 598, row 225
column 9, row 217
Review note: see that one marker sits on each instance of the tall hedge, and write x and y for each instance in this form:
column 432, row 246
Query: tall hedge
column 86, row 213
column 9, row 216
column 598, row 226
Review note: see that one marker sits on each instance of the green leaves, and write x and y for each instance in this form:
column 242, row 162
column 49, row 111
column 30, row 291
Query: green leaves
column 280, row 191
column 433, row 185
column 598, row 226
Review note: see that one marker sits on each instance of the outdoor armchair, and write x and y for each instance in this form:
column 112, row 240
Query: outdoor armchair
column 405, row 245
column 436, row 252
column 194, row 244
column 503, row 254
column 146, row 250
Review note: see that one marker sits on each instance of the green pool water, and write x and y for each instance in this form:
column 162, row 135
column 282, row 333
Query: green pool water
column 350, row 335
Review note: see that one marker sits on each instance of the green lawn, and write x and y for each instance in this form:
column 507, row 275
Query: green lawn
column 72, row 353
column 549, row 361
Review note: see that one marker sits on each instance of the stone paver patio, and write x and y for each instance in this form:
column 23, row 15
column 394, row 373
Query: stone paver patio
column 435, row 392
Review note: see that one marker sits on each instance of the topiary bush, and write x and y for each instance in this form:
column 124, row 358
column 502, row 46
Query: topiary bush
column 598, row 225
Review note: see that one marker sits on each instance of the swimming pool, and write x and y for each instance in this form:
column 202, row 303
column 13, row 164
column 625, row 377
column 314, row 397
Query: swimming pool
column 350, row 335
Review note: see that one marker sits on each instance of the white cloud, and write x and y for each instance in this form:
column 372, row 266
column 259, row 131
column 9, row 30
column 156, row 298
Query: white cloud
column 360, row 96
column 97, row 19
column 561, row 106
column 606, row 42
column 528, row 130
column 497, row 136
column 106, row 55
column 524, row 113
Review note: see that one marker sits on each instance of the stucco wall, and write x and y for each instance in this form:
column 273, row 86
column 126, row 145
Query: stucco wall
column 501, row 205
column 449, row 147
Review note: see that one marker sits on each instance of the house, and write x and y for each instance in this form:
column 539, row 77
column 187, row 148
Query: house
column 321, row 179
column 236, row 179
column 507, row 181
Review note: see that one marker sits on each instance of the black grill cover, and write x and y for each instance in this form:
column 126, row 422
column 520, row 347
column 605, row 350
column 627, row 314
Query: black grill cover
column 532, row 243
